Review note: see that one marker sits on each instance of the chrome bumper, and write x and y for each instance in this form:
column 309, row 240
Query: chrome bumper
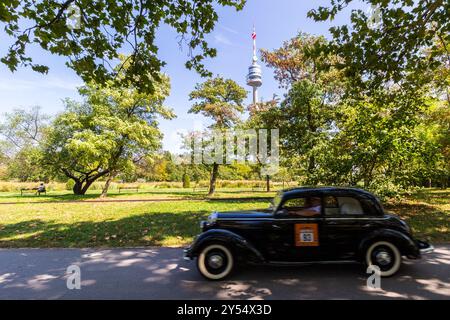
column 430, row 249
column 185, row 254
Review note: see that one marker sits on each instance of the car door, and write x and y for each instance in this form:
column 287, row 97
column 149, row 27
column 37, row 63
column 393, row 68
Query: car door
column 344, row 224
column 295, row 230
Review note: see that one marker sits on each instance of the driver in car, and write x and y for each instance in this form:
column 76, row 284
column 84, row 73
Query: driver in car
column 312, row 207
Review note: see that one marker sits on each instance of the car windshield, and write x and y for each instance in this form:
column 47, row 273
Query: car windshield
column 276, row 201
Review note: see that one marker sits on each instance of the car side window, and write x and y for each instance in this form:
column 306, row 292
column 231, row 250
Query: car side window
column 335, row 206
column 349, row 206
column 331, row 206
column 304, row 206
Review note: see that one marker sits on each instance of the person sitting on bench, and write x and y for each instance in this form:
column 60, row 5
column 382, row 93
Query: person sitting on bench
column 41, row 189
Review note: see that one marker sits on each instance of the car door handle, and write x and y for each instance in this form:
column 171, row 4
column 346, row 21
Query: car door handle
column 276, row 226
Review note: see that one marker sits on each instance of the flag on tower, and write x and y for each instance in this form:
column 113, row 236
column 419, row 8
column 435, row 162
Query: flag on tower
column 254, row 35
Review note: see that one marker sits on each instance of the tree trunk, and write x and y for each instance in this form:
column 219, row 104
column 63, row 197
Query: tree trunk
column 268, row 183
column 212, row 182
column 106, row 186
column 311, row 164
column 78, row 188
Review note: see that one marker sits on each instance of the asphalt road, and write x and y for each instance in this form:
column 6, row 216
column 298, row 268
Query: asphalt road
column 161, row 273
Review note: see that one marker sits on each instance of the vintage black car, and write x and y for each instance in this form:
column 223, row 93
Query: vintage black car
column 306, row 225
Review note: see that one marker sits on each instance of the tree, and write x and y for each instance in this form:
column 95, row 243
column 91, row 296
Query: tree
column 391, row 51
column 263, row 115
column 186, row 181
column 26, row 165
column 315, row 87
column 107, row 133
column 23, row 128
column 23, row 131
column 221, row 100
column 105, row 29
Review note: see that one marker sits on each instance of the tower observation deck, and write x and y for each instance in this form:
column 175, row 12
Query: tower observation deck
column 254, row 77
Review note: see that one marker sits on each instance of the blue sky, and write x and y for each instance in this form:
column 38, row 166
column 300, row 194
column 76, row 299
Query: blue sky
column 275, row 21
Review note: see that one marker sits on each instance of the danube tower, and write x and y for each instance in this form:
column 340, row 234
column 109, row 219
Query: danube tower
column 254, row 77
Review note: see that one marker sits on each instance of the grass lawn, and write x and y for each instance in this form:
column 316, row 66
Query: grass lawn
column 57, row 222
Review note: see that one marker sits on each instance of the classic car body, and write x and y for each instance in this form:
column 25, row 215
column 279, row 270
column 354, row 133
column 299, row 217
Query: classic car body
column 340, row 225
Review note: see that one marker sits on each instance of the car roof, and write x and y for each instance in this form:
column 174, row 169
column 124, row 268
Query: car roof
column 299, row 190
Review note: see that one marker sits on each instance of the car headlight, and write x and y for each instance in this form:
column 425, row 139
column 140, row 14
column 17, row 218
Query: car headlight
column 211, row 219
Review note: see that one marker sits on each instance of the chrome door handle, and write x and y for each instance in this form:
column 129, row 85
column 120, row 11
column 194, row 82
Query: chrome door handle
column 276, row 226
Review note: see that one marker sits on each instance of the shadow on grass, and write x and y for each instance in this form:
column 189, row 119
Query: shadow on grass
column 47, row 198
column 153, row 229
column 427, row 221
column 434, row 196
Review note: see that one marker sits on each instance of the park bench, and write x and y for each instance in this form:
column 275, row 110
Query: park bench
column 33, row 190
column 200, row 189
column 258, row 188
column 129, row 188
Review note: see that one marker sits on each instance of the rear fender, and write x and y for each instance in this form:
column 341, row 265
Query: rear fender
column 405, row 243
column 241, row 247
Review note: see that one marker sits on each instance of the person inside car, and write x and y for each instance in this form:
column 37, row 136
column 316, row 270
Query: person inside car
column 312, row 207
column 304, row 207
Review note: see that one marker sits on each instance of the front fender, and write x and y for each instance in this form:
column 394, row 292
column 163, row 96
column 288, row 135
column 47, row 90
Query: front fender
column 241, row 247
column 404, row 242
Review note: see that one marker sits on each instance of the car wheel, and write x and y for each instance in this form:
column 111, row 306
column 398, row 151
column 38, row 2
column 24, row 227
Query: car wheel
column 385, row 256
column 215, row 262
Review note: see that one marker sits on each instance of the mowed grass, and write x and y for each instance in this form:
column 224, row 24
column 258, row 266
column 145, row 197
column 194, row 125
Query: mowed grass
column 57, row 221
column 427, row 212
column 108, row 224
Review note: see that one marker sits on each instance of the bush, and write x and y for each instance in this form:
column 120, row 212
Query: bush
column 186, row 181
column 70, row 184
column 386, row 190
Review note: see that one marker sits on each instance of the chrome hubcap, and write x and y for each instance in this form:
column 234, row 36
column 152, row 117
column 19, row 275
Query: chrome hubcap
column 215, row 261
column 383, row 258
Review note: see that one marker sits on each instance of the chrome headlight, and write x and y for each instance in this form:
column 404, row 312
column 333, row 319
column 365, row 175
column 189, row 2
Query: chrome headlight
column 211, row 219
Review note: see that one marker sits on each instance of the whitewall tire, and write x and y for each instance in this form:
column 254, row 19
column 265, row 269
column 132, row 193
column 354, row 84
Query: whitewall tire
column 385, row 256
column 215, row 262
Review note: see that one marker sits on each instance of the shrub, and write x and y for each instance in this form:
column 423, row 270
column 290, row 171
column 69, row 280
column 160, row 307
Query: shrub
column 70, row 184
column 186, row 181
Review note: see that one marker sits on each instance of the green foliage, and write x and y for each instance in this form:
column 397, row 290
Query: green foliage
column 26, row 165
column 391, row 52
column 105, row 28
column 107, row 133
column 70, row 184
column 219, row 99
column 22, row 128
column 186, row 181
column 384, row 138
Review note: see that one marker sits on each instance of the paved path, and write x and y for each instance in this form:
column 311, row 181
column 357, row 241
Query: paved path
column 161, row 273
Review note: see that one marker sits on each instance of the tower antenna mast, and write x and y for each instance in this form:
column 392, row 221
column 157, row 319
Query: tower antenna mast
column 254, row 77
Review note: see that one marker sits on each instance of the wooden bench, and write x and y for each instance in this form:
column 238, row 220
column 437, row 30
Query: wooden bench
column 258, row 188
column 36, row 191
column 129, row 188
column 200, row 189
